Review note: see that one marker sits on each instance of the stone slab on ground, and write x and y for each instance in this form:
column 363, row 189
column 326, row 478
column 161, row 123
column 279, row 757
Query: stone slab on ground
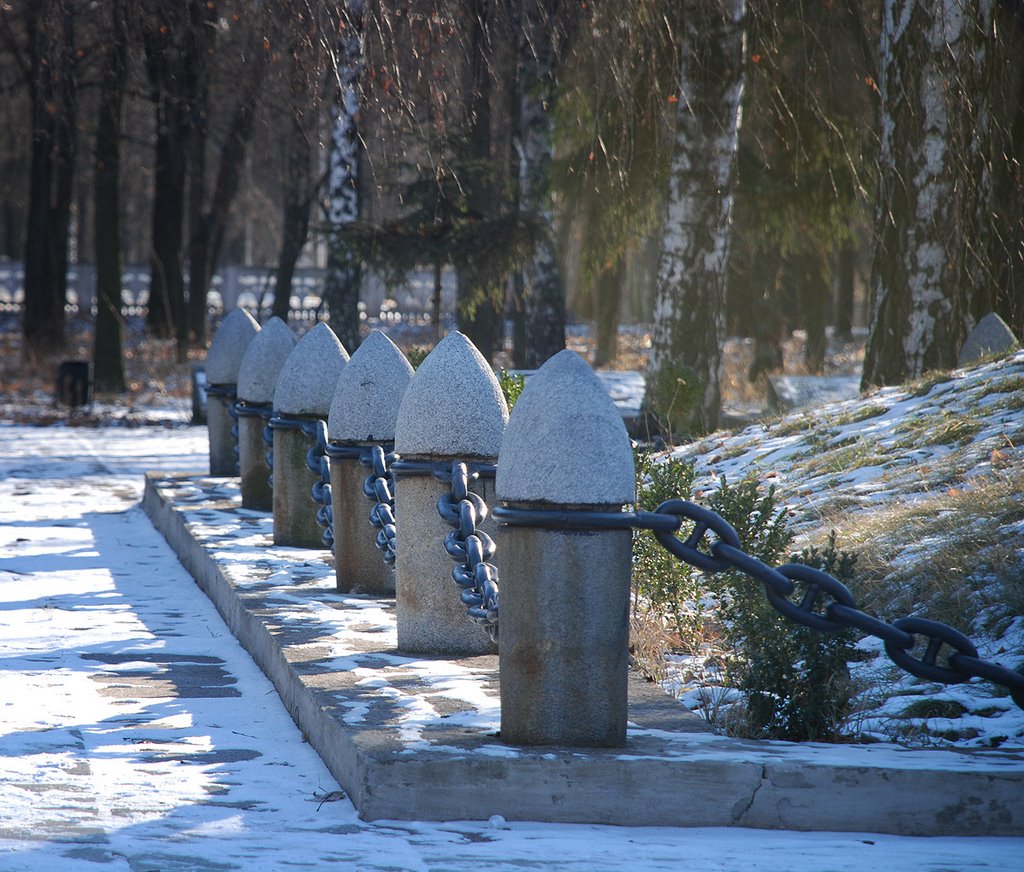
column 991, row 335
column 415, row 738
column 796, row 391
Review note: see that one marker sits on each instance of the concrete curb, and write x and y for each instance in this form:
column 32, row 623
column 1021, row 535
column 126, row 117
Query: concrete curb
column 332, row 659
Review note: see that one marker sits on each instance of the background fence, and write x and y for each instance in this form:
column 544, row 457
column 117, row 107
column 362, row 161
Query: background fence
column 247, row 286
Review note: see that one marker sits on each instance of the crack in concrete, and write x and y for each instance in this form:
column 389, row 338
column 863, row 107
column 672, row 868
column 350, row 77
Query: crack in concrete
column 738, row 815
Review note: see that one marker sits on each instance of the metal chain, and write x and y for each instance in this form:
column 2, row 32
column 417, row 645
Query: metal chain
column 470, row 547
column 824, row 603
column 462, row 509
column 315, row 430
column 241, row 409
column 379, row 488
column 226, row 394
column 317, row 462
column 268, row 440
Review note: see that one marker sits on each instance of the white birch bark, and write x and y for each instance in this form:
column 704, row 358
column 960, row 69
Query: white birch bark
column 344, row 274
column 934, row 181
column 689, row 314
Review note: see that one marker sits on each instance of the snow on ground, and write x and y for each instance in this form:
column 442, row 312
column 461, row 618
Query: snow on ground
column 905, row 454
column 137, row 735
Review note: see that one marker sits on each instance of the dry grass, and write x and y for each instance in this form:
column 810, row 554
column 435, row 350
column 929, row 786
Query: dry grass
column 953, row 533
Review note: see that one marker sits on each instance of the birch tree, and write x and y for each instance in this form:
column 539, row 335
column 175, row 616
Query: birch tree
column 544, row 23
column 933, row 185
column 689, row 317
column 344, row 271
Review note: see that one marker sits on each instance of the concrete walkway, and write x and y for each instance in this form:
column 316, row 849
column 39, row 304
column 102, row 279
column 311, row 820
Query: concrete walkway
column 137, row 735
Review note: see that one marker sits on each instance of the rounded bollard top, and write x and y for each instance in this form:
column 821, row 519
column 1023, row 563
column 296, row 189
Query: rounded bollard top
column 228, row 347
column 369, row 391
column 453, row 406
column 565, row 442
column 306, row 383
column 263, row 360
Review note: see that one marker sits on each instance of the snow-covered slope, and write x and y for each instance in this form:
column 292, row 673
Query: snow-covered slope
column 925, row 483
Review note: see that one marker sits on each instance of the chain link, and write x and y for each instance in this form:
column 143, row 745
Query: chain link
column 226, row 395
column 801, row 593
column 241, row 409
column 268, row 440
column 470, row 547
column 316, row 431
column 460, row 508
column 379, row 488
column 317, row 463
column 827, row 605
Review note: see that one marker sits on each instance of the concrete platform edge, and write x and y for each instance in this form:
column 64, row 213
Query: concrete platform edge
column 758, row 785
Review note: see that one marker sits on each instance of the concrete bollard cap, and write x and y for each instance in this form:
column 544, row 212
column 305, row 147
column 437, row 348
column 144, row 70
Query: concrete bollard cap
column 309, row 375
column 369, row 391
column 565, row 442
column 263, row 360
column 228, row 347
column 453, row 406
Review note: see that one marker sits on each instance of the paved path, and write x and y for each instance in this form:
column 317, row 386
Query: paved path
column 136, row 735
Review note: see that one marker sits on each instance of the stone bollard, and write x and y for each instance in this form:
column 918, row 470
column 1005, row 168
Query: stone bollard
column 302, row 398
column 363, row 414
column 257, row 378
column 564, row 602
column 452, row 410
column 223, row 360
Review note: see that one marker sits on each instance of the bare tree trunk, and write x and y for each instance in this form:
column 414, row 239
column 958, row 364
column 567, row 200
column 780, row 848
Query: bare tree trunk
column 197, row 231
column 208, row 235
column 845, row 274
column 933, row 186
column 608, row 294
column 52, row 92
column 809, row 275
column 1007, row 226
column 108, row 343
column 166, row 284
column 164, row 32
column 543, row 301
column 478, row 292
column 300, row 184
column 689, row 317
column 344, row 270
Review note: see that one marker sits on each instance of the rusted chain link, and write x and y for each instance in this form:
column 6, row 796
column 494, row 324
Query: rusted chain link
column 824, row 603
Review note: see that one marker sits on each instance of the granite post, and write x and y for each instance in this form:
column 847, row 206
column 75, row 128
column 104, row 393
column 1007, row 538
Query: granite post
column 223, row 360
column 257, row 378
column 564, row 606
column 302, row 397
column 363, row 414
column 452, row 410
